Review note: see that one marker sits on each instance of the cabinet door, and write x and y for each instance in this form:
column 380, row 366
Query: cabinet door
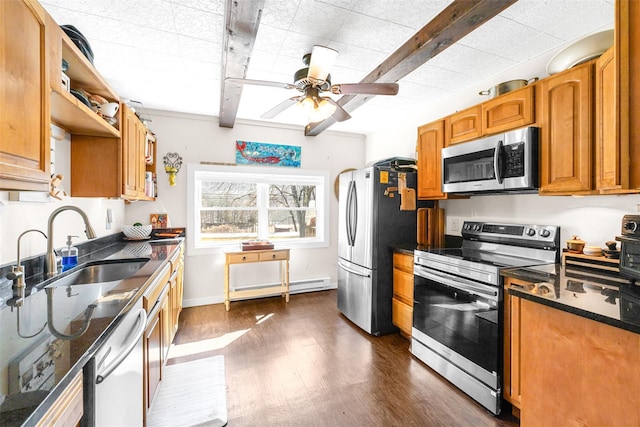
column 578, row 371
column 627, row 57
column 509, row 111
column 153, row 357
column 612, row 166
column 24, row 97
column 511, row 376
column 464, row 125
column 566, row 143
column 130, row 153
column 430, row 145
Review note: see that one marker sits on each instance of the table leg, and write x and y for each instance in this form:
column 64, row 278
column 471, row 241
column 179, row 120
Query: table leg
column 226, row 286
column 286, row 280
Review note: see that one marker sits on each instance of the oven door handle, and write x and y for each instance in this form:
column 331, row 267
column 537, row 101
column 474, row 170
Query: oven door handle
column 474, row 288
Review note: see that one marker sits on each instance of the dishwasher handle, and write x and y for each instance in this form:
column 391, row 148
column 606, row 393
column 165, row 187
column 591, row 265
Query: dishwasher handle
column 137, row 335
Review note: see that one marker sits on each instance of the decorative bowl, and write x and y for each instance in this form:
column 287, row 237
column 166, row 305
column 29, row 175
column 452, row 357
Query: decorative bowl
column 137, row 231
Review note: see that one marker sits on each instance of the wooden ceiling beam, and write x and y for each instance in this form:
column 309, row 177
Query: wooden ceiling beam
column 453, row 23
column 242, row 19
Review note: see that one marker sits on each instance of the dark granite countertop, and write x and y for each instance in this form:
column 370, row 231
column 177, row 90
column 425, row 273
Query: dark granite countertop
column 603, row 297
column 36, row 365
column 409, row 248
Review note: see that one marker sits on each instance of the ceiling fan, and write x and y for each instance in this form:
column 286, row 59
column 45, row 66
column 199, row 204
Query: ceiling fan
column 315, row 79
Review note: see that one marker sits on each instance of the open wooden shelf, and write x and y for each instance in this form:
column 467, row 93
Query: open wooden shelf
column 78, row 119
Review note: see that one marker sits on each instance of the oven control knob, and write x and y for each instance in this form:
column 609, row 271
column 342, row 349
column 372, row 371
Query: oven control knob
column 531, row 232
column 544, row 232
column 631, row 226
column 476, row 227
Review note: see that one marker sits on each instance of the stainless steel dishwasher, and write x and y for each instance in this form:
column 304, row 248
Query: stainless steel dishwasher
column 115, row 375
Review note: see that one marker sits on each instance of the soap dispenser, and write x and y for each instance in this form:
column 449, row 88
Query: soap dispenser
column 69, row 255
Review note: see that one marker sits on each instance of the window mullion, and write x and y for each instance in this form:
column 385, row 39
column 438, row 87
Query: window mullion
column 263, row 210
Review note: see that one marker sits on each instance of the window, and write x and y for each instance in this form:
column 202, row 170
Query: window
column 229, row 205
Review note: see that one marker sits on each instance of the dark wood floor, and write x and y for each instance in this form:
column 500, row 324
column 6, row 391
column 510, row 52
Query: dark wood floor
column 304, row 364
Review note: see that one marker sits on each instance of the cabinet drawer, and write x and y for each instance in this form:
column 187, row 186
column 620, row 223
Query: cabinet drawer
column 402, row 316
column 403, row 262
column 403, row 286
column 244, row 257
column 152, row 294
column 273, row 255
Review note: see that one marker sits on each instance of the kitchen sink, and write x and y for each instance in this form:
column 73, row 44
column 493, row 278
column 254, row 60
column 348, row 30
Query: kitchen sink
column 101, row 272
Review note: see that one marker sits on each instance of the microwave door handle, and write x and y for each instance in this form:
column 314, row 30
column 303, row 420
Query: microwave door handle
column 497, row 162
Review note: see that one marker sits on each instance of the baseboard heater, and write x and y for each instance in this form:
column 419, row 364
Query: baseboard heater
column 296, row 286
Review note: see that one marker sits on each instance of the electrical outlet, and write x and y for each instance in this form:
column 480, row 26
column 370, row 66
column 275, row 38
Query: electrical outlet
column 454, row 224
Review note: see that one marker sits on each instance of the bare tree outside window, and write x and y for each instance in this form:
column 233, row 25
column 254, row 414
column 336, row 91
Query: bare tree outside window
column 231, row 211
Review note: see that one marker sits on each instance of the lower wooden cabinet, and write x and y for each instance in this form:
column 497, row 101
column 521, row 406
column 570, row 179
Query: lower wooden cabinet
column 579, row 372
column 163, row 302
column 402, row 303
column 67, row 410
column 154, row 353
column 511, row 385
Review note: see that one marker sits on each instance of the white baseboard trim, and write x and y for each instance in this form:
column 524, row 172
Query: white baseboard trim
column 295, row 287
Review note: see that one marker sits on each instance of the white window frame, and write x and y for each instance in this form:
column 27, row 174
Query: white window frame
column 196, row 172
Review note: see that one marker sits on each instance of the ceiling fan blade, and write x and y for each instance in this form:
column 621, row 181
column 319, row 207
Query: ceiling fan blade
column 365, row 88
column 340, row 114
column 280, row 108
column 260, row 83
column 322, row 59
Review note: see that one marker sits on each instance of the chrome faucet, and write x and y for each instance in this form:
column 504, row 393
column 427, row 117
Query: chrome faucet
column 51, row 256
column 17, row 275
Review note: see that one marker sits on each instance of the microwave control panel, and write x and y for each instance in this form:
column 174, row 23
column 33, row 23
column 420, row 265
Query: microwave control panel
column 514, row 160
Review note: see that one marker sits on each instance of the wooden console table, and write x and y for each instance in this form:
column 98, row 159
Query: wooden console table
column 245, row 257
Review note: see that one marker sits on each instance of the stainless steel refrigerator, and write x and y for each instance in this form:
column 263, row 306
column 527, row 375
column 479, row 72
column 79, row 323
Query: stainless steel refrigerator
column 370, row 225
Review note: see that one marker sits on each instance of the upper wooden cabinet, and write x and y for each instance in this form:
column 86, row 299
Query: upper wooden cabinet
column 430, row 145
column 566, row 131
column 112, row 167
column 509, row 111
column 24, row 97
column 464, row 125
column 625, row 91
column 133, row 160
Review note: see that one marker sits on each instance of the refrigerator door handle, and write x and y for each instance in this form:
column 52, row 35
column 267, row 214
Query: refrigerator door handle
column 348, row 214
column 357, row 273
column 354, row 213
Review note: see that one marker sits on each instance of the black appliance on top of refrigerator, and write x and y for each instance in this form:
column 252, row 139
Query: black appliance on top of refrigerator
column 370, row 224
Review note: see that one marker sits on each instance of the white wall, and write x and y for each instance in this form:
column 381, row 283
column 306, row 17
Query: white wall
column 200, row 139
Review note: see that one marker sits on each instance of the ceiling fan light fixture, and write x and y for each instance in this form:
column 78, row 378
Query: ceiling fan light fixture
column 322, row 59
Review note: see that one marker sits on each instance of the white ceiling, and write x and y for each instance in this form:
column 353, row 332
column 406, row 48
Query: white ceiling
column 167, row 53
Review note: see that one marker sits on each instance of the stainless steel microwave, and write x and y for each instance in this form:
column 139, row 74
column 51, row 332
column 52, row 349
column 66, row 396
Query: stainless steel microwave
column 506, row 162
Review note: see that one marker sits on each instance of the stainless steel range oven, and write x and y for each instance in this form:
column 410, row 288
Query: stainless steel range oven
column 457, row 311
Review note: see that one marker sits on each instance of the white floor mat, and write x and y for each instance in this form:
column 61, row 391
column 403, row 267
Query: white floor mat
column 191, row 394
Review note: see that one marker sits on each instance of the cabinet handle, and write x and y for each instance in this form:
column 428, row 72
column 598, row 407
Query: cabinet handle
column 273, row 256
column 244, row 258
